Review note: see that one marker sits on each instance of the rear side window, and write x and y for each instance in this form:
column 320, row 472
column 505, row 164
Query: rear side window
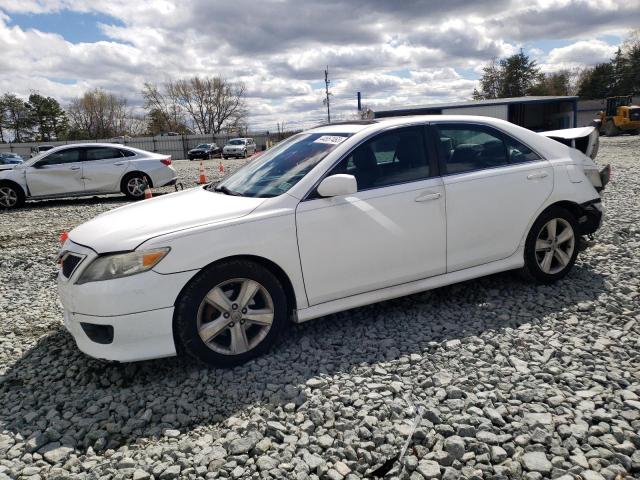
column 471, row 147
column 393, row 157
column 102, row 153
column 127, row 153
column 519, row 152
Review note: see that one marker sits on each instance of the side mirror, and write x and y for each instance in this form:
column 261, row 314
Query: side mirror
column 337, row 185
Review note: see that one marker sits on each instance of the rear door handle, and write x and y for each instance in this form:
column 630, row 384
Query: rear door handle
column 534, row 176
column 119, row 163
column 425, row 197
column 74, row 168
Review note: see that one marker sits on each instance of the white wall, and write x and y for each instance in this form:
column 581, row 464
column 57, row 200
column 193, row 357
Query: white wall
column 495, row 111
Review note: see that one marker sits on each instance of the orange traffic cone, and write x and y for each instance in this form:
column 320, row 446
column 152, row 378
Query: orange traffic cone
column 203, row 176
column 147, row 191
column 221, row 167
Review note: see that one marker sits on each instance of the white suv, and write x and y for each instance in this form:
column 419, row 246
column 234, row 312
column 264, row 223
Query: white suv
column 85, row 169
column 239, row 147
column 362, row 211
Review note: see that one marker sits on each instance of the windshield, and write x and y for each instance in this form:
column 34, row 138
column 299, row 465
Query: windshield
column 203, row 145
column 236, row 142
column 281, row 167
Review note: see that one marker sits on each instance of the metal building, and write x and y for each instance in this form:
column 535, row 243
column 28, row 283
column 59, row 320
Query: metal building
column 534, row 113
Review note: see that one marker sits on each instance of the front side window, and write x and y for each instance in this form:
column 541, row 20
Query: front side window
column 101, row 153
column 470, row 147
column 393, row 157
column 281, row 167
column 69, row 155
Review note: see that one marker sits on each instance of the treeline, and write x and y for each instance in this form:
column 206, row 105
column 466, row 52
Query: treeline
column 518, row 75
column 201, row 105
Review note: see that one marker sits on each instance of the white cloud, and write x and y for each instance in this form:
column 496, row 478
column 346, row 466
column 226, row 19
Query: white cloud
column 393, row 54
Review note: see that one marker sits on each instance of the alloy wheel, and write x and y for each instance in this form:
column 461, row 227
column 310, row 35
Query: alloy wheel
column 135, row 186
column 235, row 316
column 8, row 197
column 554, row 246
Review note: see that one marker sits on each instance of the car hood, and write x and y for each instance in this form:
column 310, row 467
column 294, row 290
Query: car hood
column 127, row 227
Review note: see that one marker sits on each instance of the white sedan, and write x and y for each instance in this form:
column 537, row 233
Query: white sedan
column 333, row 218
column 85, row 169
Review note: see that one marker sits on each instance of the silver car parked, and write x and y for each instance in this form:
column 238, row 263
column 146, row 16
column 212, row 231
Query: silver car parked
column 239, row 147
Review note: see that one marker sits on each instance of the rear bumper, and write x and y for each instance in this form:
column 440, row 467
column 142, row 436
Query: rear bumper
column 591, row 219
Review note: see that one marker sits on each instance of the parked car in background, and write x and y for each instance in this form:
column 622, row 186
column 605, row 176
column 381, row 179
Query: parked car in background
column 85, row 169
column 9, row 160
column 204, row 151
column 239, row 147
column 38, row 149
column 356, row 209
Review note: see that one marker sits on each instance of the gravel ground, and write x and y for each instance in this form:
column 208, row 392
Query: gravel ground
column 514, row 380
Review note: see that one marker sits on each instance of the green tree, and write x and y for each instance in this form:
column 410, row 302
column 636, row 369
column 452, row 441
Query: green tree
column 17, row 118
column 556, row 83
column 48, row 116
column 513, row 76
column 597, row 82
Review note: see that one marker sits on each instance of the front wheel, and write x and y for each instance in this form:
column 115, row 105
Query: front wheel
column 610, row 129
column 551, row 247
column 11, row 196
column 231, row 313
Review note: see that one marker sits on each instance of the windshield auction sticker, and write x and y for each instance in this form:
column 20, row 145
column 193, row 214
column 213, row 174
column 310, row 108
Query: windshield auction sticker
column 330, row 139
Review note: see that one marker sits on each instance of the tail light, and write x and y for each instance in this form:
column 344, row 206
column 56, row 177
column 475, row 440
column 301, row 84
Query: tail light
column 166, row 161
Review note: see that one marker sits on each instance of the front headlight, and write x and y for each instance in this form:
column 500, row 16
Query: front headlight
column 120, row 265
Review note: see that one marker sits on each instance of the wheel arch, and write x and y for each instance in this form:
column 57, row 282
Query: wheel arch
column 132, row 172
column 273, row 267
column 13, row 183
column 573, row 207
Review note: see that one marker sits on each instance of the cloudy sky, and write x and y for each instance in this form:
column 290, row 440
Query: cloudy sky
column 393, row 51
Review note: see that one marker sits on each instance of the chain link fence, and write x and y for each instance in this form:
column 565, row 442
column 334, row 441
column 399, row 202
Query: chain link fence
column 175, row 145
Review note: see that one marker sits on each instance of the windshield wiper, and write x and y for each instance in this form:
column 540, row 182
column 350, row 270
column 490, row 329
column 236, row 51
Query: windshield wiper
column 226, row 191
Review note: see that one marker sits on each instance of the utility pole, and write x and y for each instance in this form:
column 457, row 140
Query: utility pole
column 326, row 85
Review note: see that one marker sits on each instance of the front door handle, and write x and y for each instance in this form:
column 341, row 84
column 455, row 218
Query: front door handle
column 119, row 164
column 74, row 168
column 535, row 176
column 425, row 197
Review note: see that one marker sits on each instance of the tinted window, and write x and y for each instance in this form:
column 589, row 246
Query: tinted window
column 69, row 155
column 127, row 153
column 392, row 157
column 471, row 147
column 283, row 166
column 101, row 153
column 519, row 152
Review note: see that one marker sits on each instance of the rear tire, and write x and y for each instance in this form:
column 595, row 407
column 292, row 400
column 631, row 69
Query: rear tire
column 551, row 247
column 219, row 321
column 11, row 196
column 133, row 185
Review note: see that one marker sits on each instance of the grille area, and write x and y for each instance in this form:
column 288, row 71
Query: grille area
column 69, row 263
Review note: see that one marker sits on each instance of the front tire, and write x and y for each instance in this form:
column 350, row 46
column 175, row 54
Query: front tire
column 551, row 247
column 11, row 196
column 610, row 129
column 232, row 312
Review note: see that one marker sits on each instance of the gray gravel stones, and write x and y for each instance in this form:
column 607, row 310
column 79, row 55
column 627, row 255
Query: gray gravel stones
column 516, row 380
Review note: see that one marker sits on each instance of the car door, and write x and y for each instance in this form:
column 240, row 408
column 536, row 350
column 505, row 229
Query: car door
column 103, row 168
column 58, row 173
column 390, row 232
column 494, row 185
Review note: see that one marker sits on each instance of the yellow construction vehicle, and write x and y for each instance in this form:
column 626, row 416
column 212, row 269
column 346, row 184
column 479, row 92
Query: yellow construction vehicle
column 620, row 116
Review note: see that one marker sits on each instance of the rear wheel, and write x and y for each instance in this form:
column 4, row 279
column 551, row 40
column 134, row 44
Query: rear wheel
column 610, row 129
column 11, row 196
column 552, row 246
column 133, row 185
column 231, row 313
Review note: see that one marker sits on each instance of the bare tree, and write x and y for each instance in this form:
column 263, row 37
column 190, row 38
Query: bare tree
column 98, row 114
column 209, row 103
column 166, row 112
